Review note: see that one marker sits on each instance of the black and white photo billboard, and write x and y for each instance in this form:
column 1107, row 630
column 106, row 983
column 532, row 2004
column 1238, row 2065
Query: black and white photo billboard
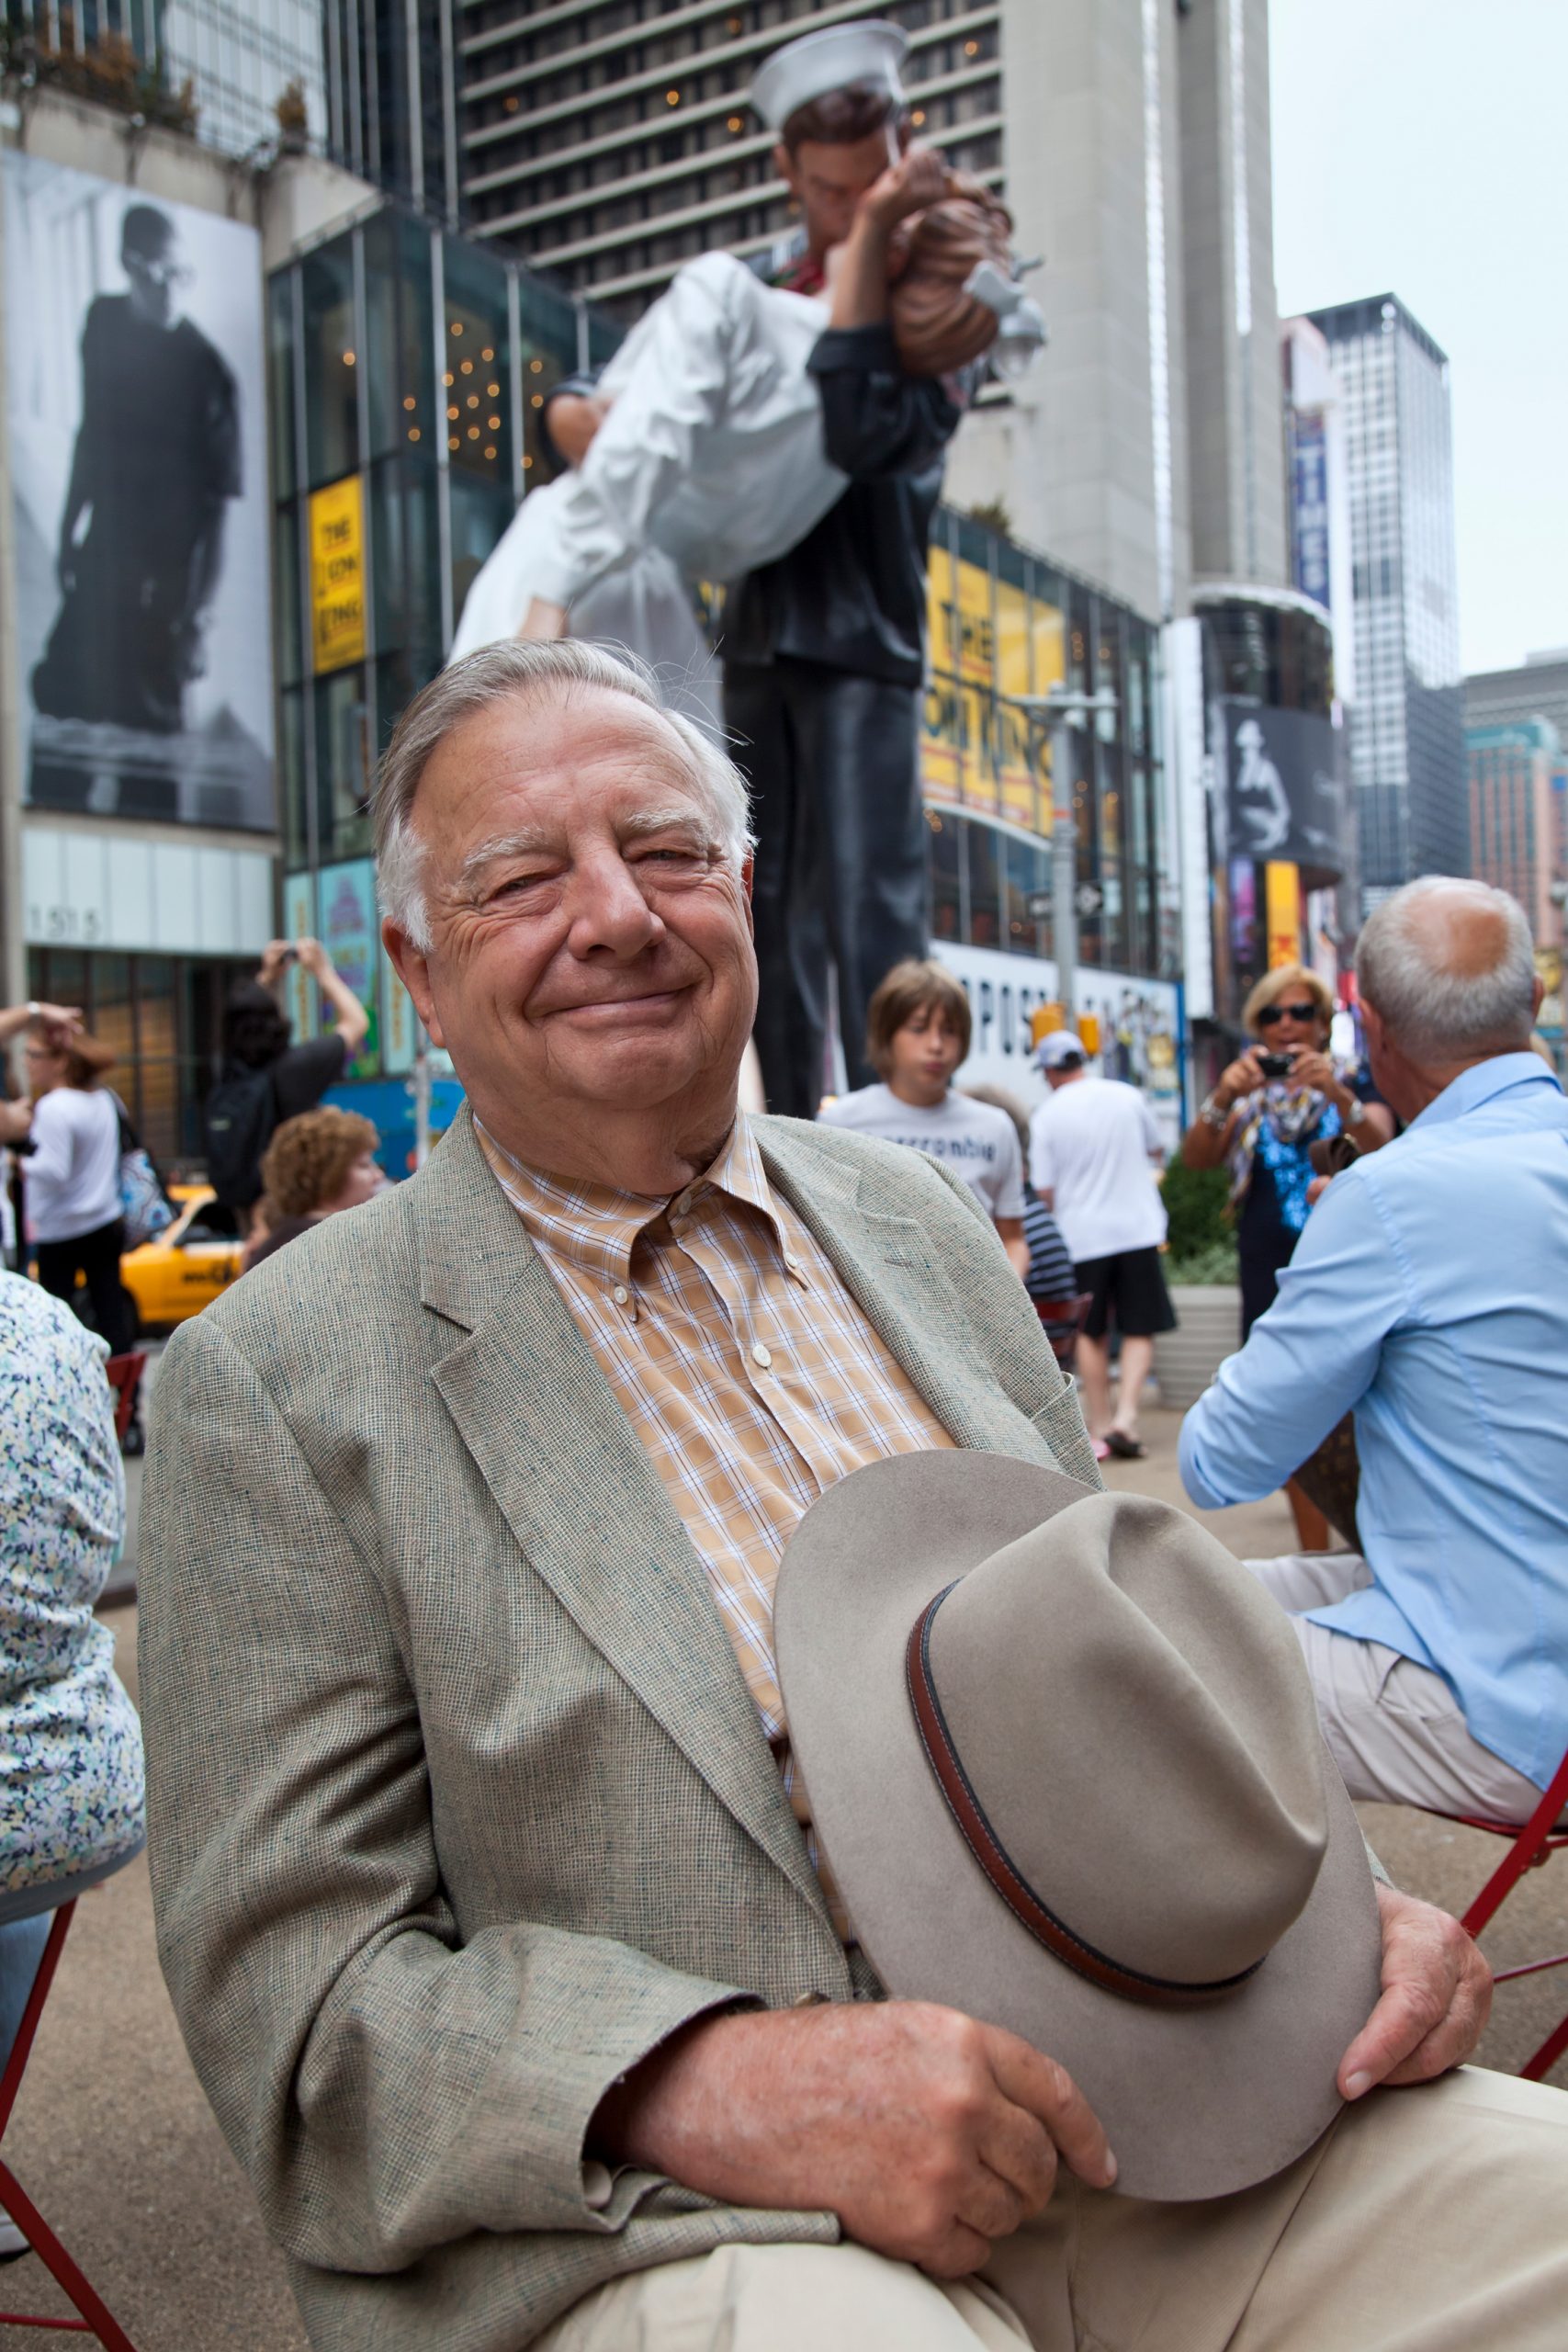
column 1281, row 792
column 135, row 392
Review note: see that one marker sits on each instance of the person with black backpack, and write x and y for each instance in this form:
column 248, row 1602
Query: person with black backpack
column 267, row 1078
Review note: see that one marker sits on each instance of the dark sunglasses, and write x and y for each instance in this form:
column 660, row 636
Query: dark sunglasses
column 1272, row 1012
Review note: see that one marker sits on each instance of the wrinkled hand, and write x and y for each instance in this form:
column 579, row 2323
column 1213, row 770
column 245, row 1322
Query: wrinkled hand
column 918, row 180
column 1437, row 1997
column 572, row 419
column 927, row 2135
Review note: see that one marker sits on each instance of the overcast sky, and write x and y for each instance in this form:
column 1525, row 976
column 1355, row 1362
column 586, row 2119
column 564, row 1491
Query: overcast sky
column 1419, row 149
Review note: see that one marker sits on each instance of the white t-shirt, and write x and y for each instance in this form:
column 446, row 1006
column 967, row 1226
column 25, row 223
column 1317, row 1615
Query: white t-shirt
column 977, row 1141
column 1090, row 1146
column 71, row 1179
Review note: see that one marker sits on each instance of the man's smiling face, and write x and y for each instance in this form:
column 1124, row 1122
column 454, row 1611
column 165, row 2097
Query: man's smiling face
column 589, row 947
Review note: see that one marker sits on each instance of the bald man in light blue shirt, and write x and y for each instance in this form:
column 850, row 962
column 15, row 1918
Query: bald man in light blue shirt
column 1428, row 1295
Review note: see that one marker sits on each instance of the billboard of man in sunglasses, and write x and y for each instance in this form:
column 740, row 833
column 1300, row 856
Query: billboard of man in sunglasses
column 156, row 461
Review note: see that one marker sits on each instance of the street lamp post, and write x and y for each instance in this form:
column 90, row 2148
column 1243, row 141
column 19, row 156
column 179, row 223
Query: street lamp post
column 1064, row 708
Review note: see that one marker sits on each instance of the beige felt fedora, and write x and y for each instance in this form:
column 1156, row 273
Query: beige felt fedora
column 1064, row 1762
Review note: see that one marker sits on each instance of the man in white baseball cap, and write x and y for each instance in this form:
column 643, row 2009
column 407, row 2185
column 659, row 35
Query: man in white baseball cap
column 1094, row 1151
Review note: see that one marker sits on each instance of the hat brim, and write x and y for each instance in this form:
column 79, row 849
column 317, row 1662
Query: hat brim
column 1196, row 2102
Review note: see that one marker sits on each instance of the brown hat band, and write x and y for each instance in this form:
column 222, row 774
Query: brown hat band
column 1043, row 1924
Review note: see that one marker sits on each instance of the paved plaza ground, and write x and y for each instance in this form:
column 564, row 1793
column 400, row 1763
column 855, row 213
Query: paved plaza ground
column 114, row 2138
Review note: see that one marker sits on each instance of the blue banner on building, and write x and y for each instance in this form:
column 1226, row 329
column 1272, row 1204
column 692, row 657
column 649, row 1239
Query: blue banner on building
column 1309, row 497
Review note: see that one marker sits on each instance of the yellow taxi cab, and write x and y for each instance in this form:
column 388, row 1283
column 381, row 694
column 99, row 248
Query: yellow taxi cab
column 189, row 1265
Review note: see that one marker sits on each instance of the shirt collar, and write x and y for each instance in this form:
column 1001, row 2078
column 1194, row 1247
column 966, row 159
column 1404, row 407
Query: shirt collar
column 597, row 1226
column 1479, row 1084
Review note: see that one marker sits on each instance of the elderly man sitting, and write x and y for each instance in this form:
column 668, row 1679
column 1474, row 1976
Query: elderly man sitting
column 1430, row 1295
column 487, row 1892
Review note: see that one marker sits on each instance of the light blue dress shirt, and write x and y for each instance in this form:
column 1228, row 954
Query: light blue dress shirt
column 1429, row 1292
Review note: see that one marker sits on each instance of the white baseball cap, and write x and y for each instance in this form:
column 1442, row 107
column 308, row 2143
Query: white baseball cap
column 1062, row 1046
column 865, row 54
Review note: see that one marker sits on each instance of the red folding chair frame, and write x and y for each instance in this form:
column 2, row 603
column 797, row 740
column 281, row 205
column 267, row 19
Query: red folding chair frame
column 125, row 1378
column 97, row 2318
column 1528, row 1849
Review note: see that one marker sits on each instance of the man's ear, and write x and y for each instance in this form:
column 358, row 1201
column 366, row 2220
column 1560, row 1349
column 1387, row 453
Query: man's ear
column 1537, row 992
column 1372, row 1025
column 784, row 163
column 413, row 969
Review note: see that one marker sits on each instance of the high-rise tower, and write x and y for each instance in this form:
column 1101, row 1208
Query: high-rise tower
column 1407, row 741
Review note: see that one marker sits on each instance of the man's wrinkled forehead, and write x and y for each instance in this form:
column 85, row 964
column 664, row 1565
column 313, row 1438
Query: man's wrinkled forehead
column 550, row 767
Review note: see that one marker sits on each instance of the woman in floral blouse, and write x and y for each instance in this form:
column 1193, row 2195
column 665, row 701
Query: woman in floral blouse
column 70, row 1801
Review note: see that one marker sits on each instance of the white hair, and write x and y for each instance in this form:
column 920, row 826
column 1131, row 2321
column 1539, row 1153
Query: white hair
column 1437, row 1009
column 534, row 670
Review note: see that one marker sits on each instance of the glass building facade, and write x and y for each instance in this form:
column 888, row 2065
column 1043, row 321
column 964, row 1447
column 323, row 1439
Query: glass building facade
column 391, row 69
column 1518, row 791
column 1004, row 626
column 1407, row 731
column 238, row 56
column 409, row 368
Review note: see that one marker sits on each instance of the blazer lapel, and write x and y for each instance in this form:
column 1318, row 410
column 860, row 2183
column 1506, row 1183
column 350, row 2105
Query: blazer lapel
column 889, row 1269
column 591, row 1514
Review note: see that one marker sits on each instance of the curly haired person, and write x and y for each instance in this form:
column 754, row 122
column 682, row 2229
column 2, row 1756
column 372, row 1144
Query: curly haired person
column 315, row 1165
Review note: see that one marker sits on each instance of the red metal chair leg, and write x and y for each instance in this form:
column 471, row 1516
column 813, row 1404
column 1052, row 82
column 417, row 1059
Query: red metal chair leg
column 49, row 1960
column 1536, row 2069
column 97, row 2318
column 1519, row 1856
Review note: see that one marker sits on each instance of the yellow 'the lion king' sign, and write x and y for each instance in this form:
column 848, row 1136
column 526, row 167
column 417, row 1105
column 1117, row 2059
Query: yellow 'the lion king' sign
column 337, row 574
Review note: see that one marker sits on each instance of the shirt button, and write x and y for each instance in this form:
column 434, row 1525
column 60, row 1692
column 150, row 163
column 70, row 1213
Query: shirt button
column 760, row 1356
column 792, row 1265
column 621, row 1294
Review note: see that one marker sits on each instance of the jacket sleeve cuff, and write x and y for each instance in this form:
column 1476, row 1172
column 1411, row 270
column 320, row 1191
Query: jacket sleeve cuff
column 561, row 2103
column 866, row 351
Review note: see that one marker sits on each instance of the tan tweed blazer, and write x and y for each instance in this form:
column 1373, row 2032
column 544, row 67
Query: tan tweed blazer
column 458, row 1802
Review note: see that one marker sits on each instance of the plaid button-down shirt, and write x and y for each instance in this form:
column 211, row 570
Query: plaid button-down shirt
column 740, row 1361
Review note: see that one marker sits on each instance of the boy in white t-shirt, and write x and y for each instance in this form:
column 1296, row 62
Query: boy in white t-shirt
column 917, row 1029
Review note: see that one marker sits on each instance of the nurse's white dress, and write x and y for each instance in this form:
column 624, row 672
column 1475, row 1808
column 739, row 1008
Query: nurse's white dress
column 709, row 464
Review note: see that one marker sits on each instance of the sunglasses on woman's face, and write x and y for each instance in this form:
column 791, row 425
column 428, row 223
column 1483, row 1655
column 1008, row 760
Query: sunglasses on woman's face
column 1272, row 1012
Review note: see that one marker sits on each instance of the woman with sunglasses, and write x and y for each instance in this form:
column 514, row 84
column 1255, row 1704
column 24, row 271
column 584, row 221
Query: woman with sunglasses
column 1278, row 1097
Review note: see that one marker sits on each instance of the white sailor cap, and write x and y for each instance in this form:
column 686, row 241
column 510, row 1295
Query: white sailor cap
column 867, row 53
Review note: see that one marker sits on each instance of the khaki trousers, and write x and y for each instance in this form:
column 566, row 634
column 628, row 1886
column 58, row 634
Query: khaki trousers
column 1394, row 1729
column 1423, row 2221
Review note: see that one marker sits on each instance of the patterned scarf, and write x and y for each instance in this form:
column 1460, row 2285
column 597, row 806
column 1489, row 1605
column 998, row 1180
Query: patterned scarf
column 1277, row 1124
